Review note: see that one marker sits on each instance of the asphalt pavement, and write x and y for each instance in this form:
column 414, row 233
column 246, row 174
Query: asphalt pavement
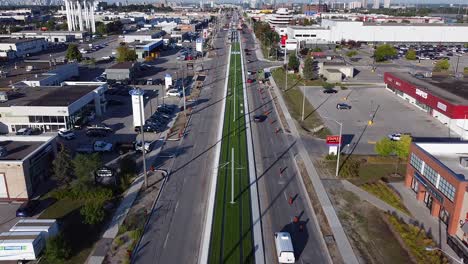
column 277, row 178
column 174, row 231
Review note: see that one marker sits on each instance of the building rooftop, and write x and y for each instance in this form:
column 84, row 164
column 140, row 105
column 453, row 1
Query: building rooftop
column 15, row 40
column 47, row 95
column 20, row 73
column 414, row 24
column 18, row 150
column 449, row 155
column 448, row 88
column 145, row 32
column 122, row 65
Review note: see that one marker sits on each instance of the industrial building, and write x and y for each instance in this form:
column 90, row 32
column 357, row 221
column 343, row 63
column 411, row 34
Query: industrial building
column 16, row 48
column 144, row 35
column 52, row 36
column 438, row 175
column 334, row 31
column 121, row 71
column 443, row 98
column 25, row 165
column 50, row 108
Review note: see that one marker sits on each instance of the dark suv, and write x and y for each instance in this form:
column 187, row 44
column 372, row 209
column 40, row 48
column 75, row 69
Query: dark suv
column 27, row 209
column 341, row 106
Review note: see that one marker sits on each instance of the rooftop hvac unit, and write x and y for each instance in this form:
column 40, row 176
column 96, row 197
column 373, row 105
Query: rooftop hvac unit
column 464, row 162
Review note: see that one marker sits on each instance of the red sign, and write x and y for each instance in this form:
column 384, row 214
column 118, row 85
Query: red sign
column 333, row 140
column 283, row 40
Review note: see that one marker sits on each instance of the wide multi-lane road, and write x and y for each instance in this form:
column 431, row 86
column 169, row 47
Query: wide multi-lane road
column 174, row 230
column 278, row 179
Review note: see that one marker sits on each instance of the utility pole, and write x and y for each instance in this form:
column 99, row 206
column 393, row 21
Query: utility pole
column 286, row 65
column 183, row 88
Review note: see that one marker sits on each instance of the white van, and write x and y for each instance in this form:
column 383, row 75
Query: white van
column 284, row 247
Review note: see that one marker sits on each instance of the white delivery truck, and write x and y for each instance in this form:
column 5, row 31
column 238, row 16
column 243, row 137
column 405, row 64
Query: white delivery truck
column 284, row 247
column 48, row 227
column 21, row 245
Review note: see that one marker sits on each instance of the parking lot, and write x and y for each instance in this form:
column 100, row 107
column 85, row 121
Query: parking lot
column 7, row 215
column 390, row 114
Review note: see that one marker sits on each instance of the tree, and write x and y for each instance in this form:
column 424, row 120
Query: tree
column 328, row 86
column 57, row 250
column 93, row 212
column 308, row 72
column 383, row 52
column 411, row 54
column 316, row 49
column 442, row 65
column 101, row 28
column 85, row 166
column 63, row 26
column 62, row 165
column 402, row 147
column 385, row 147
column 351, row 53
column 304, row 51
column 124, row 53
column 293, row 62
column 73, row 53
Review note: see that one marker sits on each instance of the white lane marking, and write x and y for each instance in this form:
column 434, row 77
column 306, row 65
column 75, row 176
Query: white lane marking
column 165, row 241
column 285, row 196
column 177, row 205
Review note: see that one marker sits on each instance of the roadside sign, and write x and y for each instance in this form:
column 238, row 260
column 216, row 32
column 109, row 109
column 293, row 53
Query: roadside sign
column 333, row 140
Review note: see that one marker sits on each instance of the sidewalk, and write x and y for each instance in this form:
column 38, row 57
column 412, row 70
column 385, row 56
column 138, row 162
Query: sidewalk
column 341, row 239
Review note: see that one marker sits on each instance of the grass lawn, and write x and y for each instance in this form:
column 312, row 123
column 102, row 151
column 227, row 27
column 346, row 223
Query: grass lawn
column 231, row 237
column 373, row 172
column 382, row 191
column 293, row 97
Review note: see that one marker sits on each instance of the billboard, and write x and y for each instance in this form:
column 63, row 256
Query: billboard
column 199, row 45
column 333, row 140
column 138, row 107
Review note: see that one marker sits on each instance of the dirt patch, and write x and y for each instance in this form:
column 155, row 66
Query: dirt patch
column 176, row 131
column 321, row 218
column 132, row 228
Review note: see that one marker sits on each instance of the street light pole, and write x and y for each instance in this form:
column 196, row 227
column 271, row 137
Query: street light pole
column 286, row 70
column 183, row 89
column 339, row 145
column 303, row 102
column 142, row 122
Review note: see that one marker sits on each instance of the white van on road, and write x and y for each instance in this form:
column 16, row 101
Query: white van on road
column 284, row 247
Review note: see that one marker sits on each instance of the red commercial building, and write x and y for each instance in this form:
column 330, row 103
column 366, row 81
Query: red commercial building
column 444, row 98
column 438, row 175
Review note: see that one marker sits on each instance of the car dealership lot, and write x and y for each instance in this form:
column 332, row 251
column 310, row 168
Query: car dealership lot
column 390, row 114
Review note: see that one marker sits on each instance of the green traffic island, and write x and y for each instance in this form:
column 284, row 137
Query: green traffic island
column 231, row 236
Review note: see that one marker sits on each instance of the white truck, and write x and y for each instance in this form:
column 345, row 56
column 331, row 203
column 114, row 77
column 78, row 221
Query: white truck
column 284, row 247
column 48, row 227
column 21, row 246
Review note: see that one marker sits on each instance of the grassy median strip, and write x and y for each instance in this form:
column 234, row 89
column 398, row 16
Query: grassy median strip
column 231, row 237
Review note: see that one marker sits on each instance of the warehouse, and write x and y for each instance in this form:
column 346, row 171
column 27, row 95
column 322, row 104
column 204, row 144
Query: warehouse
column 52, row 36
column 144, row 35
column 444, row 98
column 15, row 48
column 24, row 165
column 438, row 175
column 334, row 31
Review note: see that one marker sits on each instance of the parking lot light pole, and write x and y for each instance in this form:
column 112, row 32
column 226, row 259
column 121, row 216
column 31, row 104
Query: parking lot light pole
column 139, row 92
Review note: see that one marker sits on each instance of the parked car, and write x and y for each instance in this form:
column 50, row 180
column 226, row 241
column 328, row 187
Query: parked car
column 330, row 91
column 250, row 80
column 102, row 146
column 101, row 127
column 24, row 131
column 173, row 92
column 341, row 106
column 395, row 136
column 66, row 134
column 27, row 209
column 138, row 146
column 96, row 133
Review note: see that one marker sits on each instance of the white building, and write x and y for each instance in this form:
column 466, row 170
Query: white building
column 354, row 5
column 15, row 48
column 376, row 4
column 51, row 107
column 281, row 18
column 80, row 15
column 144, row 36
column 333, row 31
column 51, row 36
column 386, row 4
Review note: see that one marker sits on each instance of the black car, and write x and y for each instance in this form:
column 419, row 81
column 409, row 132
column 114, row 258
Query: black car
column 343, row 106
column 259, row 118
column 27, row 209
column 124, row 147
column 96, row 133
column 330, row 91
